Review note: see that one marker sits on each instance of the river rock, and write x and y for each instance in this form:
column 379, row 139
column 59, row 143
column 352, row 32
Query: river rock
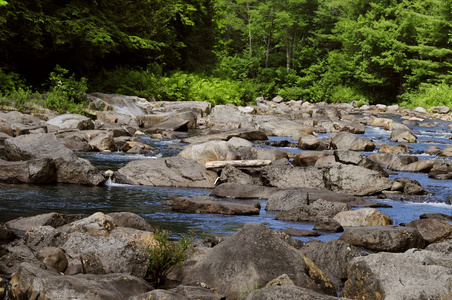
column 444, row 247
column 354, row 180
column 130, row 220
column 394, row 125
column 402, row 136
column 167, row 171
column 252, row 257
column 233, row 175
column 439, row 216
column 380, row 122
column 309, row 213
column 396, row 149
column 308, row 142
column 53, row 257
column 332, row 257
column 97, row 224
column 446, row 152
column 392, row 161
column 410, row 186
column 440, row 109
column 182, row 292
column 208, row 205
column 70, row 168
column 53, row 219
column 384, row 238
column 424, row 166
column 442, row 169
column 327, row 224
column 282, row 174
column 6, row 234
column 103, row 142
column 286, row 292
column 17, row 119
column 354, row 158
column 176, row 123
column 41, row 170
column 210, row 151
column 285, row 200
column 432, row 230
column 71, row 121
column 275, row 126
column 229, row 117
column 128, row 105
column 362, row 217
column 39, row 282
column 242, row 191
column 129, row 145
column 308, row 158
column 411, row 275
column 350, row 141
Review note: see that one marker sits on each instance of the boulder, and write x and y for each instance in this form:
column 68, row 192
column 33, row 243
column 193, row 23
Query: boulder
column 384, row 238
column 275, row 126
column 103, row 142
column 332, row 257
column 396, row 149
column 380, row 122
column 130, row 145
column 229, row 117
column 392, row 161
column 240, row 142
column 308, row 142
column 444, row 247
column 415, row 274
column 130, row 220
column 53, row 219
column 208, row 205
column 442, row 169
column 410, row 186
column 447, row 152
column 182, row 292
column 394, row 125
column 71, row 121
column 6, row 234
column 40, row 282
column 439, row 216
column 350, row 141
column 440, row 109
column 423, row 166
column 53, row 257
column 70, row 168
column 286, row 292
column 432, row 230
column 402, row 136
column 176, row 123
column 362, row 217
column 354, row 180
column 128, row 105
column 282, row 174
column 242, row 191
column 233, row 175
column 285, row 200
column 167, row 171
column 327, row 224
column 308, row 158
column 210, row 151
column 352, row 127
column 252, row 257
column 353, row 158
column 309, row 213
column 97, row 224
column 41, row 170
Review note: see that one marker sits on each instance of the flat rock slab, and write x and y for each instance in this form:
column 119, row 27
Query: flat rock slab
column 209, row 205
column 299, row 232
column 168, row 171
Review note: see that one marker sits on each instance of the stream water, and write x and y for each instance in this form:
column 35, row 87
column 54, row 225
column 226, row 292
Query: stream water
column 25, row 200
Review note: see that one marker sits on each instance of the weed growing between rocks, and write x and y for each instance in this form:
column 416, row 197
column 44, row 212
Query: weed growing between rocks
column 167, row 254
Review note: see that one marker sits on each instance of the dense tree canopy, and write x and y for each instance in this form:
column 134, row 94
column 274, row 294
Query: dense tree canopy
column 317, row 50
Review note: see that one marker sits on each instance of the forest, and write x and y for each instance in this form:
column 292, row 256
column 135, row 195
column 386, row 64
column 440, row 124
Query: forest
column 226, row 51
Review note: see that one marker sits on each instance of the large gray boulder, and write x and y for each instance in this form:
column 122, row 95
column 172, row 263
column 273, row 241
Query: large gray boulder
column 362, row 217
column 69, row 168
column 242, row 191
column 384, row 238
column 354, row 158
column 167, row 171
column 286, row 292
column 23, row 224
column 181, row 292
column 42, row 282
column 432, row 230
column 71, row 121
column 415, row 274
column 229, row 117
column 40, row 170
column 393, row 161
column 210, row 151
column 276, row 126
column 251, row 258
column 208, row 205
column 442, row 169
column 350, row 141
column 313, row 211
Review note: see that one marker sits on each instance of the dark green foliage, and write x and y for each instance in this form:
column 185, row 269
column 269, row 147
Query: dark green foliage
column 167, row 254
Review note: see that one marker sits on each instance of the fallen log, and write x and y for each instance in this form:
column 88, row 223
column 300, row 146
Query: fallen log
column 237, row 163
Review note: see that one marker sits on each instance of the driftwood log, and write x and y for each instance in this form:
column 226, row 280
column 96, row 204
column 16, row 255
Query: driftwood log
column 237, row 163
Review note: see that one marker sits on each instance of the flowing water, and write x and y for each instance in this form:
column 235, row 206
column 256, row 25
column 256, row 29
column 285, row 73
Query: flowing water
column 149, row 202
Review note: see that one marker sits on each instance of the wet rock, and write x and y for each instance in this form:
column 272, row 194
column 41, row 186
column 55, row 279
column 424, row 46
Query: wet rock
column 3, row 288
column 402, row 136
column 242, row 191
column 167, row 171
column 332, row 257
column 327, row 224
column 53, row 257
column 285, row 200
column 362, row 217
column 350, row 141
column 432, row 230
column 16, row 253
column 209, row 205
column 71, row 121
column 6, row 234
column 307, row 213
column 37, row 282
column 308, row 158
column 299, row 232
column 130, row 220
column 410, row 186
column 129, row 145
column 354, row 180
column 251, row 258
column 384, row 238
column 442, row 169
column 233, row 175
column 411, row 275
column 210, row 151
column 446, row 152
column 70, row 168
column 32, row 171
column 436, row 216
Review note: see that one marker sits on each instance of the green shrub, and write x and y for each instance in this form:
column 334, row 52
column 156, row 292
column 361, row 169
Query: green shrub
column 66, row 94
column 22, row 99
column 10, row 82
column 167, row 254
column 428, row 95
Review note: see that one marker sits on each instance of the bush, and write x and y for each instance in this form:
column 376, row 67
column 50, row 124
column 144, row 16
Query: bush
column 167, row 254
column 66, row 94
column 10, row 82
column 428, row 95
